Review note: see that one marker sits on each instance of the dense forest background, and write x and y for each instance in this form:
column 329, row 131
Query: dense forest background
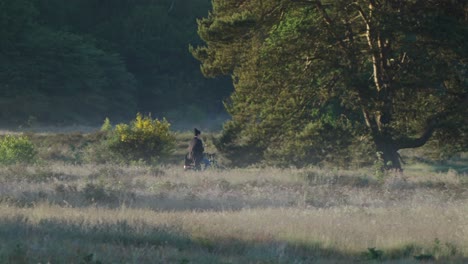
column 80, row 61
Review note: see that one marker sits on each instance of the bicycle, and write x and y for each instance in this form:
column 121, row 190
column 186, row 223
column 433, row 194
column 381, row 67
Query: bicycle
column 209, row 161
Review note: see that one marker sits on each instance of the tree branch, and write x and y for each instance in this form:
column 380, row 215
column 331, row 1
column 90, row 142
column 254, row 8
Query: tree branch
column 407, row 142
column 437, row 121
column 329, row 22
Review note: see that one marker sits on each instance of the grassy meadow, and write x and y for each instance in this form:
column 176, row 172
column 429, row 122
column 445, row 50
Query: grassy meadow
column 66, row 210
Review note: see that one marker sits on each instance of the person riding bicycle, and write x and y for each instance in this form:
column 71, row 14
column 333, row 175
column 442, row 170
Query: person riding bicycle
column 196, row 149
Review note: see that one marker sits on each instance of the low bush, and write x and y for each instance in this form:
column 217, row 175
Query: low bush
column 17, row 149
column 144, row 139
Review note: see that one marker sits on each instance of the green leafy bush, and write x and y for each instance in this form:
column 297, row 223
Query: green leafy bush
column 17, row 149
column 144, row 139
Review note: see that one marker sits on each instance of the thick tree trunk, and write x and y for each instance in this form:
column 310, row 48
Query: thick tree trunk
column 379, row 118
column 388, row 150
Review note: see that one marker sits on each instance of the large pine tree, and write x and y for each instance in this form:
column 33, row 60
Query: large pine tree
column 315, row 77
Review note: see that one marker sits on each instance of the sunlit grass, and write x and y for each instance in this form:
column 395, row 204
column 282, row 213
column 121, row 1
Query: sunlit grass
column 136, row 214
column 336, row 233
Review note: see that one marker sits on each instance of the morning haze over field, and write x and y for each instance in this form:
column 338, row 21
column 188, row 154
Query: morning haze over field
column 333, row 131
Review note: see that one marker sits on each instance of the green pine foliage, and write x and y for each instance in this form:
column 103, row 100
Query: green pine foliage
column 321, row 81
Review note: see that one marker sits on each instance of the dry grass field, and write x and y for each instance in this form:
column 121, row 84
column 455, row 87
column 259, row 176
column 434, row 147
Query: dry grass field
column 60, row 212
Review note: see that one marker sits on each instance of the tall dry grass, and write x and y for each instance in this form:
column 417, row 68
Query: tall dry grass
column 65, row 213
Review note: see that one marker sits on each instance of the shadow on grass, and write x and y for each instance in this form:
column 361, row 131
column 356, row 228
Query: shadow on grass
column 57, row 241
column 64, row 242
column 459, row 165
column 446, row 167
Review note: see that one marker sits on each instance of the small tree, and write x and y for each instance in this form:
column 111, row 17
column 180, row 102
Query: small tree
column 106, row 126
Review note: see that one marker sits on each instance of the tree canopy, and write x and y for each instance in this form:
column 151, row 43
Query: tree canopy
column 319, row 80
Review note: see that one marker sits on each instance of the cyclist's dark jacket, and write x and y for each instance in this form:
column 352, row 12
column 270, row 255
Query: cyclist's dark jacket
column 196, row 149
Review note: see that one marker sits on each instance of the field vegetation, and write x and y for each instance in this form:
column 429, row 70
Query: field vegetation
column 343, row 138
column 66, row 208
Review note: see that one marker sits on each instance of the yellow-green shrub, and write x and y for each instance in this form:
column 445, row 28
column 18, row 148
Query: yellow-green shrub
column 144, row 139
column 17, row 149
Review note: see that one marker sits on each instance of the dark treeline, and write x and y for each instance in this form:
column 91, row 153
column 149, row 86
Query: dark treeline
column 79, row 61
